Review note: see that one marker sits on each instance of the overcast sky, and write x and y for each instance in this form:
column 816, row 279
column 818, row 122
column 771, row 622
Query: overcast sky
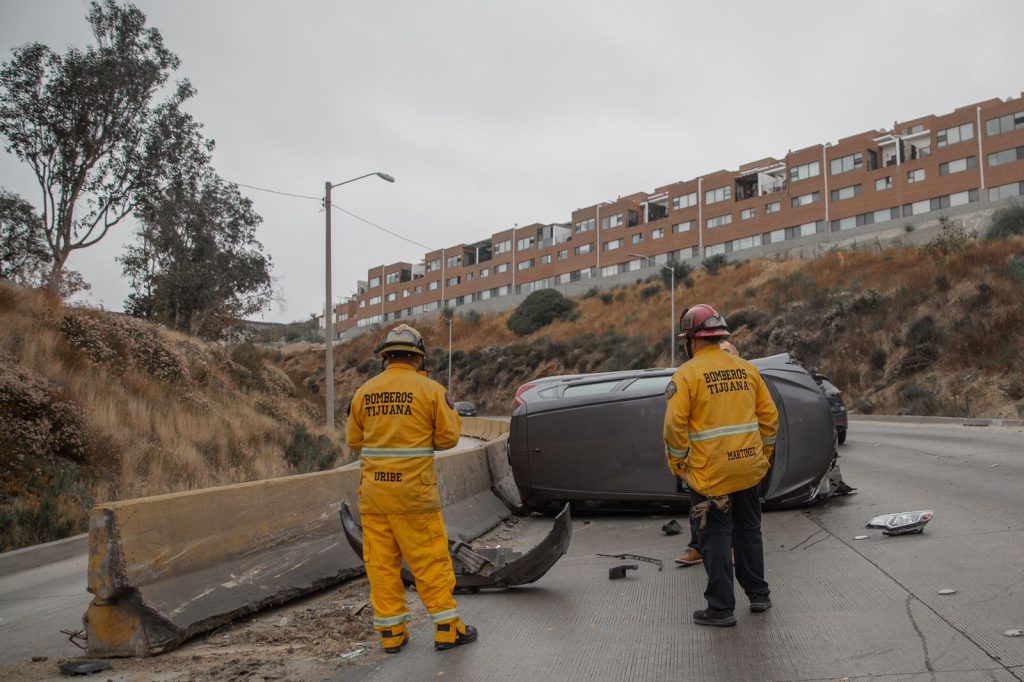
column 490, row 114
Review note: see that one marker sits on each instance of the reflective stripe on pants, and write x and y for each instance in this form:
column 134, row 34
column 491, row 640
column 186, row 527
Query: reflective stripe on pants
column 422, row 541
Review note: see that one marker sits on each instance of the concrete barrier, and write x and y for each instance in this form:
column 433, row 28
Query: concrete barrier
column 165, row 568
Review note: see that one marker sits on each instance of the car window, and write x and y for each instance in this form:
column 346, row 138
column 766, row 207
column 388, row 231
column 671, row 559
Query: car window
column 648, row 385
column 589, row 389
column 829, row 386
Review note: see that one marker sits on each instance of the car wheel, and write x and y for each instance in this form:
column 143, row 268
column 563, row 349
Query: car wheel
column 841, row 436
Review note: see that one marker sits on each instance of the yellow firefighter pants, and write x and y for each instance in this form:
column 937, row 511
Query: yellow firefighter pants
column 422, row 541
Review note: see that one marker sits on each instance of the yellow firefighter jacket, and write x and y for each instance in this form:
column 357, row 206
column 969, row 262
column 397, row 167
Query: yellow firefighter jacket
column 720, row 423
column 396, row 421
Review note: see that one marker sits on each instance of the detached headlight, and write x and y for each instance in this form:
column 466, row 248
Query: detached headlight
column 902, row 523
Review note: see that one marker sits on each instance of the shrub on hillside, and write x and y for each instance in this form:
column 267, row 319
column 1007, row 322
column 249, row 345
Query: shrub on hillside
column 308, row 452
column 607, row 297
column 1006, row 222
column 750, row 317
column 649, row 291
column 1015, row 268
column 952, row 238
column 538, row 310
column 714, row 263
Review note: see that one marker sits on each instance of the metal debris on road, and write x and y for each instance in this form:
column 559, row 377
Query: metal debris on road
column 947, row 590
column 636, row 557
column 619, row 572
column 860, row 537
column 353, row 654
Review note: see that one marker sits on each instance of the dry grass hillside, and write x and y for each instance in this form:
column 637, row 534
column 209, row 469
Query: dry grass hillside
column 933, row 330
column 95, row 407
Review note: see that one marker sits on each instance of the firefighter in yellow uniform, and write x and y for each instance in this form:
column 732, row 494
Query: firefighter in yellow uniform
column 720, row 428
column 396, row 421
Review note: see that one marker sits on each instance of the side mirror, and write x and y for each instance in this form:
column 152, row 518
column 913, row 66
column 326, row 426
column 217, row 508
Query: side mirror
column 903, row 523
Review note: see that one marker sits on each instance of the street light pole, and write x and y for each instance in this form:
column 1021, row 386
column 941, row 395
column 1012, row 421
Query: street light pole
column 328, row 303
column 672, row 298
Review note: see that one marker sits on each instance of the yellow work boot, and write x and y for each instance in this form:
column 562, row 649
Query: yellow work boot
column 394, row 639
column 691, row 558
column 452, row 634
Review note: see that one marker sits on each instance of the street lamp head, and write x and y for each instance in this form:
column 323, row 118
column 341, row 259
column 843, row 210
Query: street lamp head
column 385, row 176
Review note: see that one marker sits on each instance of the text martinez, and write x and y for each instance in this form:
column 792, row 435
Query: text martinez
column 387, row 402
column 725, row 380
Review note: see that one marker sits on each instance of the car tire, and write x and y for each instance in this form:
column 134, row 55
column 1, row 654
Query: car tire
column 841, row 436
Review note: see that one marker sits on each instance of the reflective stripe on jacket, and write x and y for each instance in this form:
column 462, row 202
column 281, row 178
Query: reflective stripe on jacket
column 720, row 423
column 396, row 421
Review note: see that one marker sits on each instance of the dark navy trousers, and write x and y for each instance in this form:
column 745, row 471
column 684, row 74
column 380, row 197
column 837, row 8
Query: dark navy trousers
column 739, row 529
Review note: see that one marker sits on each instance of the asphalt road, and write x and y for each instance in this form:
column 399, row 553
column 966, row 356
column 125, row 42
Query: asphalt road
column 844, row 608
column 860, row 609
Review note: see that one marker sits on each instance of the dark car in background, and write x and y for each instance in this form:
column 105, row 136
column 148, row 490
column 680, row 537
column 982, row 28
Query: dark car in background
column 597, row 438
column 465, row 409
column 840, row 418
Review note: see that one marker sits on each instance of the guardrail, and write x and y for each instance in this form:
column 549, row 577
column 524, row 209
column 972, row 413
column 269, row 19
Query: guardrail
column 165, row 568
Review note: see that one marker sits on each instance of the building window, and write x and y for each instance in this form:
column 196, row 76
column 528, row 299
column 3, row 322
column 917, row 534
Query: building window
column 391, row 297
column 503, row 267
column 563, row 254
column 524, row 264
column 885, row 214
column 714, row 250
column 342, row 317
column 469, row 276
column 405, row 293
column 685, row 201
column 1014, row 189
column 748, row 213
column 807, row 170
column 957, row 165
column 375, row 300
column 503, row 246
column 524, row 243
column 845, row 164
column 392, row 277
column 419, row 289
column 583, row 248
column 773, row 207
column 585, row 225
column 434, row 286
column 1004, row 124
column 1006, row 156
column 545, row 259
column 485, row 272
column 434, row 265
column 611, row 221
column 683, row 227
column 658, row 233
column 637, row 238
column 453, row 262
column 715, row 195
column 720, row 220
column 374, row 282
column 454, row 281
column 806, row 199
column 882, row 184
column 960, row 133
column 612, row 245
column 844, row 193
column 915, row 175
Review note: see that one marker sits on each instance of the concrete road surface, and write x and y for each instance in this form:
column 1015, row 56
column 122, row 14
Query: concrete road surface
column 844, row 608
column 860, row 609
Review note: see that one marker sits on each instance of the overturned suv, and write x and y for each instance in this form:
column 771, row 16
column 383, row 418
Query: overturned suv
column 595, row 439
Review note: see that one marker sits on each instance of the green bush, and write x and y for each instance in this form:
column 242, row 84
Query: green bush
column 878, row 358
column 591, row 292
column 306, row 452
column 538, row 310
column 649, row 291
column 715, row 263
column 1015, row 268
column 607, row 298
column 1006, row 222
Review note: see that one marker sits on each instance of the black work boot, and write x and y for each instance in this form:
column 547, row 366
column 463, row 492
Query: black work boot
column 760, row 603
column 717, row 617
column 460, row 637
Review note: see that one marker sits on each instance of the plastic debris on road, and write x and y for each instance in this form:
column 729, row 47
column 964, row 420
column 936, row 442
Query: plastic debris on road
column 947, row 590
column 353, row 654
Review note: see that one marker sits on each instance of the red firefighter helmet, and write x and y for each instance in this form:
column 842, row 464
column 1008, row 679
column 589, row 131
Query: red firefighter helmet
column 702, row 321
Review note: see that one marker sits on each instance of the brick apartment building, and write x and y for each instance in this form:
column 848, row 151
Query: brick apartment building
column 928, row 164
